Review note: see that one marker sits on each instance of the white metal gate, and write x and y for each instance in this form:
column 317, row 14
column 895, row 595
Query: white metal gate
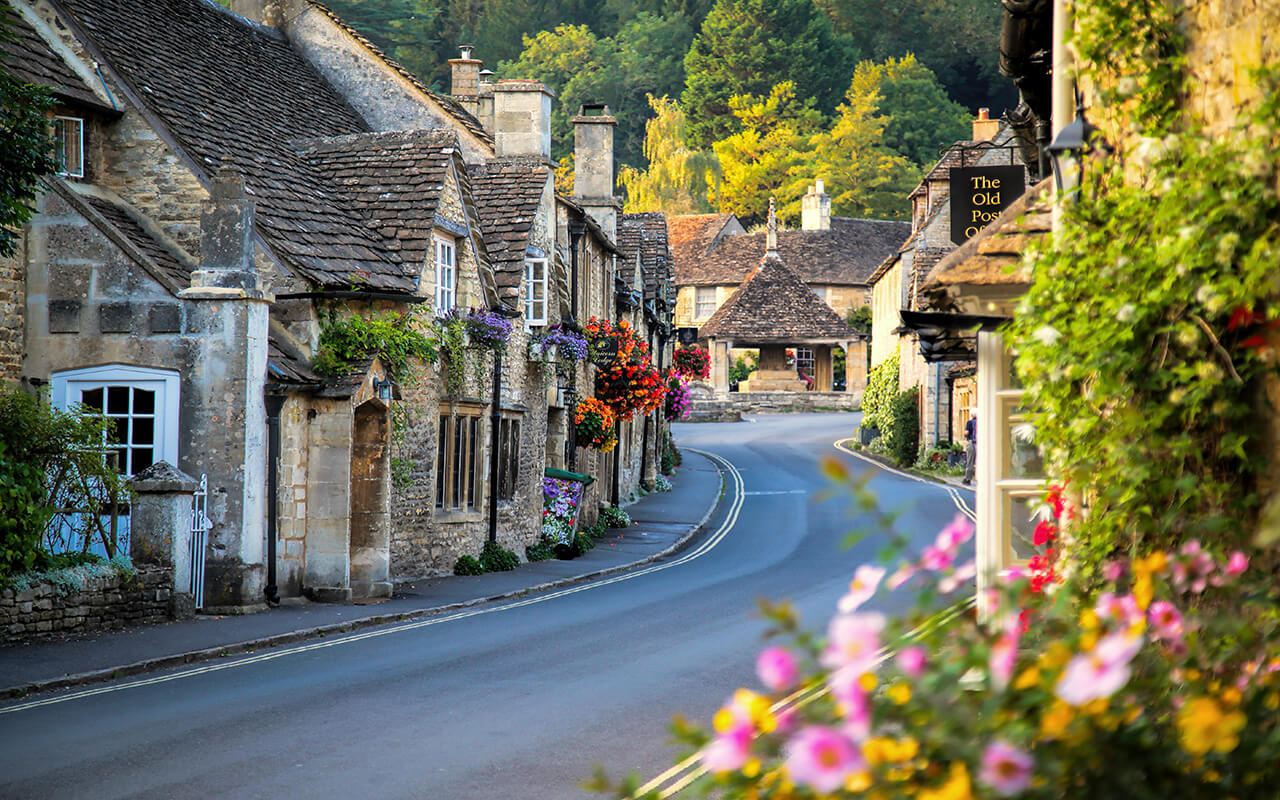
column 199, row 539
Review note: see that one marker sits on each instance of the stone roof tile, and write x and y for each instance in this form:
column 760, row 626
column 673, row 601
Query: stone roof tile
column 29, row 58
column 775, row 305
column 508, row 194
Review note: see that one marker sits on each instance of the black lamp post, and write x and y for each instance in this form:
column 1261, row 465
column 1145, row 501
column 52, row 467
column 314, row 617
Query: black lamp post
column 1079, row 138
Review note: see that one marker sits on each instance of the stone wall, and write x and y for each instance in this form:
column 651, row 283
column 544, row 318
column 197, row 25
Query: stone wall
column 13, row 302
column 103, row 603
column 730, row 407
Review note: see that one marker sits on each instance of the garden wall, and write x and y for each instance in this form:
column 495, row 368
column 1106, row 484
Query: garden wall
column 104, row 602
column 730, row 407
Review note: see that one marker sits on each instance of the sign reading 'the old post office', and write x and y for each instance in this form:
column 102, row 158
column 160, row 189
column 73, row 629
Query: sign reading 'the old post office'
column 978, row 195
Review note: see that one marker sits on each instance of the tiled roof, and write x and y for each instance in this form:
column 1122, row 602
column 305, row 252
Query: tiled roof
column 847, row 254
column 692, row 235
column 774, row 305
column 646, row 235
column 508, row 193
column 30, row 59
column 451, row 106
column 286, row 363
column 160, row 254
column 994, row 256
column 233, row 92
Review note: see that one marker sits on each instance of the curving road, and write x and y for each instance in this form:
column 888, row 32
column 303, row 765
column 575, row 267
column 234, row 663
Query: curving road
column 515, row 700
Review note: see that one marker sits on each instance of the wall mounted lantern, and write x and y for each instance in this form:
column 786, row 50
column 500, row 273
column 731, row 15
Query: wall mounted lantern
column 1079, row 138
column 384, row 388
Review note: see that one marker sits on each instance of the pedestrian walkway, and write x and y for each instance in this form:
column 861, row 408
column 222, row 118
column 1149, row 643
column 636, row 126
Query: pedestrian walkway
column 663, row 523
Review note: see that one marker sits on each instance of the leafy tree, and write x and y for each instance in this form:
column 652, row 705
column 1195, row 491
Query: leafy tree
column 410, row 31
column 746, row 47
column 679, row 178
column 859, row 319
column 761, row 159
column 958, row 40
column 920, row 119
column 26, row 150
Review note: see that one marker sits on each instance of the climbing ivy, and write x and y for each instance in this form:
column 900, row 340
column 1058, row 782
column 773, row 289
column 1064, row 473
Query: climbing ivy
column 1145, row 336
column 882, row 387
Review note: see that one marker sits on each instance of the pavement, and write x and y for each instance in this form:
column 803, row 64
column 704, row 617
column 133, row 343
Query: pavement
column 663, row 523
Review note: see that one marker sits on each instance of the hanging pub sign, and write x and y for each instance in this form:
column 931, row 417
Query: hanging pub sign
column 687, row 336
column 979, row 194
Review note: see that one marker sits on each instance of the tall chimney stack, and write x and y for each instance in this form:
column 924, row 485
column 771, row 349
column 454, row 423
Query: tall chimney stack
column 522, row 119
column 815, row 209
column 985, row 128
column 465, row 84
column 593, row 178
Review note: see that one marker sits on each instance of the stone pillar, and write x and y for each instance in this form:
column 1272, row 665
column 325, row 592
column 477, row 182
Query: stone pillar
column 327, row 573
column 224, row 419
column 522, row 119
column 160, row 527
column 815, row 209
column 855, row 366
column 593, row 178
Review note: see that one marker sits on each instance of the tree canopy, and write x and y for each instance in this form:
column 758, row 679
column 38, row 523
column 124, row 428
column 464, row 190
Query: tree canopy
column 920, row 120
column 26, row 150
column 679, row 179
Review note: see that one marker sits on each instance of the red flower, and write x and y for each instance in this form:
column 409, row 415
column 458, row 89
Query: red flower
column 1045, row 532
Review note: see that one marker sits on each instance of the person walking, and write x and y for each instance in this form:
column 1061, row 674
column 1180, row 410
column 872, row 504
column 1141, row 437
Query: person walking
column 970, row 446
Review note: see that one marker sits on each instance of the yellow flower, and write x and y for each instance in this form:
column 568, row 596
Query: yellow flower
column 1142, row 590
column 1088, row 641
column 1272, row 701
column 751, row 768
column 899, row 693
column 1232, row 696
column 1029, row 679
column 1203, row 726
column 1089, row 620
column 858, row 782
column 868, row 682
column 1055, row 656
column 1095, row 707
column 957, row 786
column 1055, row 721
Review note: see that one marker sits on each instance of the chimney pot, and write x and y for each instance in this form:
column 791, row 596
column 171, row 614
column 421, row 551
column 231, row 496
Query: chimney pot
column 593, row 178
column 522, row 119
column 985, row 128
column 815, row 208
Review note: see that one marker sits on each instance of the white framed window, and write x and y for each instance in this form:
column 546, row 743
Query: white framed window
column 535, row 291
column 704, row 302
column 446, row 274
column 68, row 135
column 804, row 360
column 142, row 404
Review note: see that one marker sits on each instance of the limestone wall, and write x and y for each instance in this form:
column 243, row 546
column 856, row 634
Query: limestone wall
column 103, row 603
column 13, row 314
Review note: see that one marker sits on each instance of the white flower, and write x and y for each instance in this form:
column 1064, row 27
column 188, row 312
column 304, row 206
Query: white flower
column 1126, row 312
column 1047, row 335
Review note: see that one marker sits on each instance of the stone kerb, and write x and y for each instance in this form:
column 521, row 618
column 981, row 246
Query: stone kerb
column 160, row 528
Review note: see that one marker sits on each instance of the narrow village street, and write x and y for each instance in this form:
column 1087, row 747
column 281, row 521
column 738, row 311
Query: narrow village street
column 514, row 699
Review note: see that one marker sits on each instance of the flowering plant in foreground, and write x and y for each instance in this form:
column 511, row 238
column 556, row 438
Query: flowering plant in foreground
column 1164, row 684
column 676, row 405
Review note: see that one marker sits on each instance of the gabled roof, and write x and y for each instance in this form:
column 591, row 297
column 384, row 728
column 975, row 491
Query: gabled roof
column 508, row 193
column 693, row 235
column 231, row 92
column 773, row 305
column 30, row 59
column 644, row 237
column 845, row 255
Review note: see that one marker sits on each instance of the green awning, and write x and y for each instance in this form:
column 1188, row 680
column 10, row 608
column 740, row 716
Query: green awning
column 566, row 475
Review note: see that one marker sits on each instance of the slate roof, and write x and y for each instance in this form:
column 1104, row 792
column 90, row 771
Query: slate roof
column 508, row 193
column 692, row 235
column 645, row 235
column 233, row 92
column 29, row 59
column 159, row 253
column 845, row 255
column 773, row 305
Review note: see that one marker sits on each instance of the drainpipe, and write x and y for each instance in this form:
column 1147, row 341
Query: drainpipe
column 495, row 423
column 617, row 463
column 274, row 403
column 576, row 229
column 937, row 402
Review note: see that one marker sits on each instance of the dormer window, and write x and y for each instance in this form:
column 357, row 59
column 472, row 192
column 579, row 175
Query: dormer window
column 535, row 297
column 446, row 274
column 68, row 135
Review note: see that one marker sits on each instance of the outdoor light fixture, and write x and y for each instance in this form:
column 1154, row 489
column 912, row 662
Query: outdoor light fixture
column 383, row 388
column 1073, row 143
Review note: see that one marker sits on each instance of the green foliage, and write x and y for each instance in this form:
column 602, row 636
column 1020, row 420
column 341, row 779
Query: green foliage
column 921, row 119
column 614, row 517
column 67, row 573
column 935, row 460
column 468, row 565
column 901, row 436
column 407, row 30
column 1149, row 405
column 671, row 456
column 539, row 551
column 743, row 366
column 396, row 337
column 495, row 558
column 26, row 149
column 746, row 47
column 582, row 543
column 859, row 319
column 679, row 178
column 882, row 387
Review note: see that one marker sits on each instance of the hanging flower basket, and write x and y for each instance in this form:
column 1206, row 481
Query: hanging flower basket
column 626, row 380
column 692, row 362
column 558, row 344
column 594, row 423
column 488, row 330
column 676, row 404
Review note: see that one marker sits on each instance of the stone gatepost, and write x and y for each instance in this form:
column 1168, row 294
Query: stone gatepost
column 160, row 528
column 855, row 367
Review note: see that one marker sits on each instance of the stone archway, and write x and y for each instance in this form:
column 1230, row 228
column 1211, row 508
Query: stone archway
column 370, row 542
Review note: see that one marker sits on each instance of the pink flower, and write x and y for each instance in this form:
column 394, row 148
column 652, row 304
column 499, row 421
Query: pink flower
column 912, row 661
column 777, row 668
column 852, row 642
column 1119, row 609
column 1005, row 768
column 957, row 532
column 1166, row 620
column 1012, row 573
column 1100, row 672
column 1237, row 564
column 962, row 573
column 905, row 573
column 936, row 558
column 822, row 758
column 1114, row 570
column 866, row 579
column 854, row 705
column 729, row 750
column 1004, row 656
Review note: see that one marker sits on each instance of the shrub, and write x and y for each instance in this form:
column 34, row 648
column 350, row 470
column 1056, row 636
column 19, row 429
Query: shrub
column 671, row 456
column 742, row 367
column 582, row 543
column 902, row 434
column 661, row 484
column 468, row 565
column 495, row 558
column 614, row 517
column 539, row 551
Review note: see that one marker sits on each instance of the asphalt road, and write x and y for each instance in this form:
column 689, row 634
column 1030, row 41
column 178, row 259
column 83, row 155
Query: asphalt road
column 515, row 700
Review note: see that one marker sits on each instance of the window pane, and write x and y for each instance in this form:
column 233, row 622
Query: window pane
column 1025, row 460
column 459, row 460
column 144, row 401
column 442, row 446
column 92, row 398
column 143, row 430
column 142, row 458
column 118, row 400
column 119, row 430
column 473, row 453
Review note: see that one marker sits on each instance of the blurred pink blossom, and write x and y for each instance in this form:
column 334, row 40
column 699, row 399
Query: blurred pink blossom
column 1005, row 768
column 822, row 758
column 1100, row 672
column 912, row 661
column 852, row 642
column 729, row 750
column 866, row 579
column 777, row 668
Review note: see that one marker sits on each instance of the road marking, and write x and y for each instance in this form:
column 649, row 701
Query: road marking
column 706, row 546
column 960, row 502
column 778, row 491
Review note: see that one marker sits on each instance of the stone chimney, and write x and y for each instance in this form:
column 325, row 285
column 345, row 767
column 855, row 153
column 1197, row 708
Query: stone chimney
column 226, row 240
column 465, row 86
column 985, row 128
column 815, row 209
column 593, row 178
column 522, row 119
